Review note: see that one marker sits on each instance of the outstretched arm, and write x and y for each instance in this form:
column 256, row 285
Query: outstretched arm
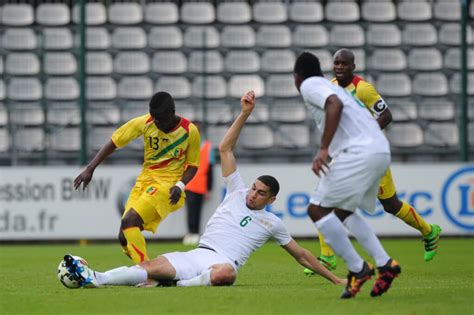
column 86, row 175
column 306, row 259
column 226, row 147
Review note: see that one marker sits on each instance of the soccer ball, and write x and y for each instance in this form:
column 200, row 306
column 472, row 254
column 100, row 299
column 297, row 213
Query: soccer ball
column 65, row 277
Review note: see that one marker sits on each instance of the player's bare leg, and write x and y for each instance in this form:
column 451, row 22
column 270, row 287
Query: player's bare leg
column 223, row 274
column 160, row 273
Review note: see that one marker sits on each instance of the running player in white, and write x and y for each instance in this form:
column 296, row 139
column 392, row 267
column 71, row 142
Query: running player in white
column 239, row 226
column 360, row 152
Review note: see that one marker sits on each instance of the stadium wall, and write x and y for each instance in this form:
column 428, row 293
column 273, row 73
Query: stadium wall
column 41, row 204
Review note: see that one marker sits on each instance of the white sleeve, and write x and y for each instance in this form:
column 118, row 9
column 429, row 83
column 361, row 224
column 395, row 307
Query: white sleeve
column 281, row 234
column 316, row 94
column 234, row 182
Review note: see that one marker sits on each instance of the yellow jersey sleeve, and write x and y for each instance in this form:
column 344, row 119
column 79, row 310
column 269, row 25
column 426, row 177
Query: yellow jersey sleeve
column 194, row 146
column 129, row 131
column 367, row 93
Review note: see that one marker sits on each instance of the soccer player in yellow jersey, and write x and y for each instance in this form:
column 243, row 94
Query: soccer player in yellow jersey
column 171, row 159
column 344, row 67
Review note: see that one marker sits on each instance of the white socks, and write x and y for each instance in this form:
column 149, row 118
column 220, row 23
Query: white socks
column 136, row 274
column 122, row 276
column 204, row 279
column 336, row 236
column 364, row 234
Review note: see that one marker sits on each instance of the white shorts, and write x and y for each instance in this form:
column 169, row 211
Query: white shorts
column 352, row 181
column 192, row 263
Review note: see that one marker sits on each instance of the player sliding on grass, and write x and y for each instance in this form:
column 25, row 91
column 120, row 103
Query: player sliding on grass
column 361, row 155
column 239, row 226
column 344, row 76
column 171, row 159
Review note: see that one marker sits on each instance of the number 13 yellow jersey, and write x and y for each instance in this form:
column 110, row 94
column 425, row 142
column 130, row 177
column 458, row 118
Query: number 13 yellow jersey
column 165, row 154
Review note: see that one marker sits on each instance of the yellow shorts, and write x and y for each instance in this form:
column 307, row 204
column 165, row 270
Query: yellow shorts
column 387, row 186
column 151, row 200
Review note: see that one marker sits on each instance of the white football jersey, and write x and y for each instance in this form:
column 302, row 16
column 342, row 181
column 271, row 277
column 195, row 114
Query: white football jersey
column 236, row 231
column 357, row 129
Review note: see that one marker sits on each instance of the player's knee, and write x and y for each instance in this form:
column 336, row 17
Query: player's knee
column 159, row 268
column 223, row 276
column 131, row 219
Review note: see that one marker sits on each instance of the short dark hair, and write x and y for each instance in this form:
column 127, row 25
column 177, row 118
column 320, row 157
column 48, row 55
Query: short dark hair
column 271, row 182
column 307, row 65
column 162, row 102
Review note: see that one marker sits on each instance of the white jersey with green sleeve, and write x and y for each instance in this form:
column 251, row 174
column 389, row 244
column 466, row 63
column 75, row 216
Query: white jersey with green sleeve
column 235, row 231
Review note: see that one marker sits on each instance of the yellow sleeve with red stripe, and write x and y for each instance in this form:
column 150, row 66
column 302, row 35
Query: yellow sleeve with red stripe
column 129, row 131
column 194, row 146
column 367, row 93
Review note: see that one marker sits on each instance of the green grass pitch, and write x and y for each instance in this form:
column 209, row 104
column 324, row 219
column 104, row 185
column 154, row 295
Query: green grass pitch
column 270, row 283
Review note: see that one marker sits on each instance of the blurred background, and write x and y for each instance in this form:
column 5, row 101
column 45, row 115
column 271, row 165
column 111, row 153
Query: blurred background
column 73, row 71
column 64, row 87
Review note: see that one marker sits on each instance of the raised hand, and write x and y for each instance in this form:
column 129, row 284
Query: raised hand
column 248, row 102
